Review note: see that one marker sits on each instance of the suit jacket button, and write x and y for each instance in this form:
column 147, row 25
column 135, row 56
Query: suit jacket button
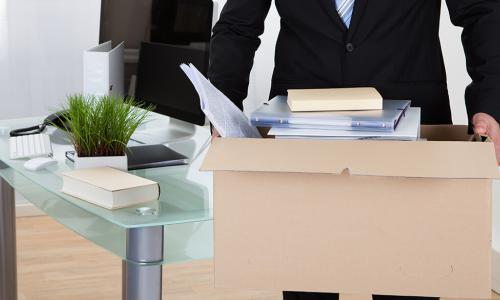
column 349, row 47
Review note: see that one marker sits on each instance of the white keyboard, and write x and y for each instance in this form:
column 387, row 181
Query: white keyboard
column 28, row 146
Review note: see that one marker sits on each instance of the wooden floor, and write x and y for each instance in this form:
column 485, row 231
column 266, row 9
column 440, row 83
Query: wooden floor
column 56, row 264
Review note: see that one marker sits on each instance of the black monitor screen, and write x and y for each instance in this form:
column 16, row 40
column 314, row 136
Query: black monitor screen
column 159, row 35
column 161, row 82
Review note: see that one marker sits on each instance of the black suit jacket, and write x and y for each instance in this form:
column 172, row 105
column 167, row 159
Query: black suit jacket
column 392, row 45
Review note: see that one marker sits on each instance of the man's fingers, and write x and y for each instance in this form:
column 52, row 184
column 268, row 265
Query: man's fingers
column 485, row 124
column 481, row 128
column 481, row 124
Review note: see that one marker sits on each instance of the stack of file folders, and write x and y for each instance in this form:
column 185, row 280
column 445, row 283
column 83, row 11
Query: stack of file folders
column 396, row 121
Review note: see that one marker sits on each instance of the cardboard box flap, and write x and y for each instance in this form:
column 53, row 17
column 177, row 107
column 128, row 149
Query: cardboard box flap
column 371, row 158
column 445, row 132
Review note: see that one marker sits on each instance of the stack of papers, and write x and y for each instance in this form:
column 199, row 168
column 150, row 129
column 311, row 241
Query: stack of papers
column 226, row 117
column 396, row 121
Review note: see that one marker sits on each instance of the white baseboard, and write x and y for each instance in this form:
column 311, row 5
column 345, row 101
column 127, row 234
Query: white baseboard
column 495, row 270
column 27, row 210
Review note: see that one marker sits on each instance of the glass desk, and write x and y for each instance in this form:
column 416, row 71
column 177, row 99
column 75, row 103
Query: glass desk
column 180, row 230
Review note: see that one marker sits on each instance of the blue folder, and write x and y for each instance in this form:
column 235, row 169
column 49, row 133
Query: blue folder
column 276, row 113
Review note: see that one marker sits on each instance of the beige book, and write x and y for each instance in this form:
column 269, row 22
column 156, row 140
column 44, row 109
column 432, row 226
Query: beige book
column 365, row 98
column 109, row 188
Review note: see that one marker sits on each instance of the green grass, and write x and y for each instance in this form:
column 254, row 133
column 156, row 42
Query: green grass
column 102, row 126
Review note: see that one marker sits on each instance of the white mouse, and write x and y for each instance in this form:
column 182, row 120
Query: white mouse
column 36, row 164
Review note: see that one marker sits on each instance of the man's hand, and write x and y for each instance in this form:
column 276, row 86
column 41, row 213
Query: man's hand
column 486, row 125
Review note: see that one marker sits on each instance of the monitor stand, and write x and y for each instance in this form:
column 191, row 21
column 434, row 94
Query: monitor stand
column 163, row 130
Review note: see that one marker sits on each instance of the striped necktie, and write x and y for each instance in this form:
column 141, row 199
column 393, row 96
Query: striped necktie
column 345, row 8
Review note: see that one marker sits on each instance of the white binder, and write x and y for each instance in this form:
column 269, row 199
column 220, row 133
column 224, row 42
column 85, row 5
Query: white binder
column 103, row 70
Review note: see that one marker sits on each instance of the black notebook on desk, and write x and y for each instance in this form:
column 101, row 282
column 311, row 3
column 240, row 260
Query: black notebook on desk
column 153, row 156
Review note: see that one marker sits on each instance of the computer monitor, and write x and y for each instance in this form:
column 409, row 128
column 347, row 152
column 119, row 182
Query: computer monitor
column 161, row 82
column 159, row 35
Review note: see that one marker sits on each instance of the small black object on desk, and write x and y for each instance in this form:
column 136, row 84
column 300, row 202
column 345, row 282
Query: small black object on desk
column 153, row 156
column 59, row 119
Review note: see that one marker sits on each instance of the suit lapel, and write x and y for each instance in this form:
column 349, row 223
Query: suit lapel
column 357, row 15
column 329, row 5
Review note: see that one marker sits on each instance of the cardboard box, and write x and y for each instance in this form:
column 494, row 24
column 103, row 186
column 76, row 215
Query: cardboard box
column 355, row 217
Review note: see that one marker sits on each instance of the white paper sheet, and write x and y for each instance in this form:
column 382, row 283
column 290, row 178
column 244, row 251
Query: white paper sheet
column 226, row 117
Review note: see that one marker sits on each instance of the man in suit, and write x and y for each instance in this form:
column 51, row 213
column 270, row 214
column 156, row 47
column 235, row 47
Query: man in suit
column 392, row 45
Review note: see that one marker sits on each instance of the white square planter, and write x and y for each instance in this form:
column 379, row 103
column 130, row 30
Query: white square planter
column 117, row 162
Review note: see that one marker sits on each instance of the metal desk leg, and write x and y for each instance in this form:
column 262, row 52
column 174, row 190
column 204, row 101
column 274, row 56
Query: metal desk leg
column 139, row 280
column 8, row 273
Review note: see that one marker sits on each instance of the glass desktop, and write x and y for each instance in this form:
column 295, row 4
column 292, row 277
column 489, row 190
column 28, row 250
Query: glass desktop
column 184, row 209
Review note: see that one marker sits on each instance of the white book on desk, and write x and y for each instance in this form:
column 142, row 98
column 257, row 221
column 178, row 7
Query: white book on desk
column 109, row 188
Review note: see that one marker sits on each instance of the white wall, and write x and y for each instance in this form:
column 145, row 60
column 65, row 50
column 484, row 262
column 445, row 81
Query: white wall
column 454, row 59
column 41, row 55
column 41, row 46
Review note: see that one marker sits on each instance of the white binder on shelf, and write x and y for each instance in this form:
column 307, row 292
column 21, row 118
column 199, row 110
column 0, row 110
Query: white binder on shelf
column 103, row 70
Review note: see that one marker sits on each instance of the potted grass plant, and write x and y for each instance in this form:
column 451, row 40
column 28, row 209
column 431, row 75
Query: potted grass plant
column 100, row 127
